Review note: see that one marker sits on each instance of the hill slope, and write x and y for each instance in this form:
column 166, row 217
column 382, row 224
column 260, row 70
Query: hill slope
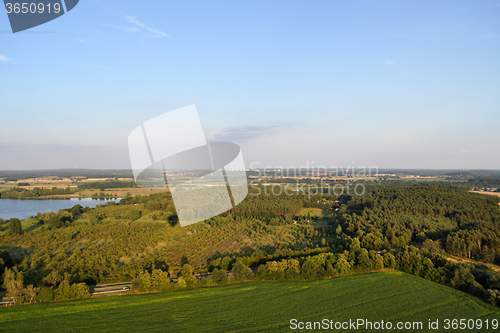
column 256, row 307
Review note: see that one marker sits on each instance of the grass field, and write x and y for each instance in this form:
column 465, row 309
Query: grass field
column 28, row 225
column 312, row 211
column 256, row 307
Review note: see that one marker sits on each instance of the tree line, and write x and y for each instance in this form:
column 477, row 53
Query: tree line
column 22, row 193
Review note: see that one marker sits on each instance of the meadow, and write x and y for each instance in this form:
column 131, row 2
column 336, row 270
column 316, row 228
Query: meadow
column 256, row 307
column 313, row 212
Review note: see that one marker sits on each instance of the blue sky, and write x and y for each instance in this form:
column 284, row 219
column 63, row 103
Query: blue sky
column 393, row 84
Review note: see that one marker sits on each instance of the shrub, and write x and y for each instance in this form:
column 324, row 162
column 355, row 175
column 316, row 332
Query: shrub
column 45, row 295
column 219, row 277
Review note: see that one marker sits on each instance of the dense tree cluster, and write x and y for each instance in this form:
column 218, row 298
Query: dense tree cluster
column 22, row 193
column 462, row 223
column 107, row 184
column 262, row 203
column 13, row 282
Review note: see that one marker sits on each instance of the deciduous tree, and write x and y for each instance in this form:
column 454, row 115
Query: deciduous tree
column 241, row 271
column 15, row 227
column 13, row 283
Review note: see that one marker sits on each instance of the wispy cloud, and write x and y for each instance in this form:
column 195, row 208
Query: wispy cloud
column 139, row 26
column 241, row 133
column 135, row 21
column 390, row 63
column 4, row 58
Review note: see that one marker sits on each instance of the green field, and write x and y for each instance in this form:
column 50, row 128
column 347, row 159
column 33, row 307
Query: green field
column 28, row 225
column 312, row 211
column 256, row 307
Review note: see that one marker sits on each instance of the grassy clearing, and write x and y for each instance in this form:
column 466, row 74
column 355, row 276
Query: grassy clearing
column 313, row 211
column 17, row 252
column 28, row 225
column 255, row 307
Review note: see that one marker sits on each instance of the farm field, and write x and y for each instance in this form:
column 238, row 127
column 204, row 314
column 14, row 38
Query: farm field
column 257, row 307
column 488, row 193
column 73, row 183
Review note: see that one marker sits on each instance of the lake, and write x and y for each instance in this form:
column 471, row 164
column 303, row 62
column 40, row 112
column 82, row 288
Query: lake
column 23, row 209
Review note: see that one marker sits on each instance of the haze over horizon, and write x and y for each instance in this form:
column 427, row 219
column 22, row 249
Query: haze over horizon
column 387, row 84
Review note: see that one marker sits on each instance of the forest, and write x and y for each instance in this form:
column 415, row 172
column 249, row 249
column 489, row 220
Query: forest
column 414, row 228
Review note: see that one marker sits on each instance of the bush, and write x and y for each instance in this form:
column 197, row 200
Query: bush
column 63, row 291
column 181, row 283
column 20, row 300
column 45, row 295
column 241, row 271
column 134, row 214
column 219, row 277
column 207, row 282
column 79, row 291
column 310, row 270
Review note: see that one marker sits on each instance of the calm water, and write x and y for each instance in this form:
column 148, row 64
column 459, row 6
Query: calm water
column 22, row 209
